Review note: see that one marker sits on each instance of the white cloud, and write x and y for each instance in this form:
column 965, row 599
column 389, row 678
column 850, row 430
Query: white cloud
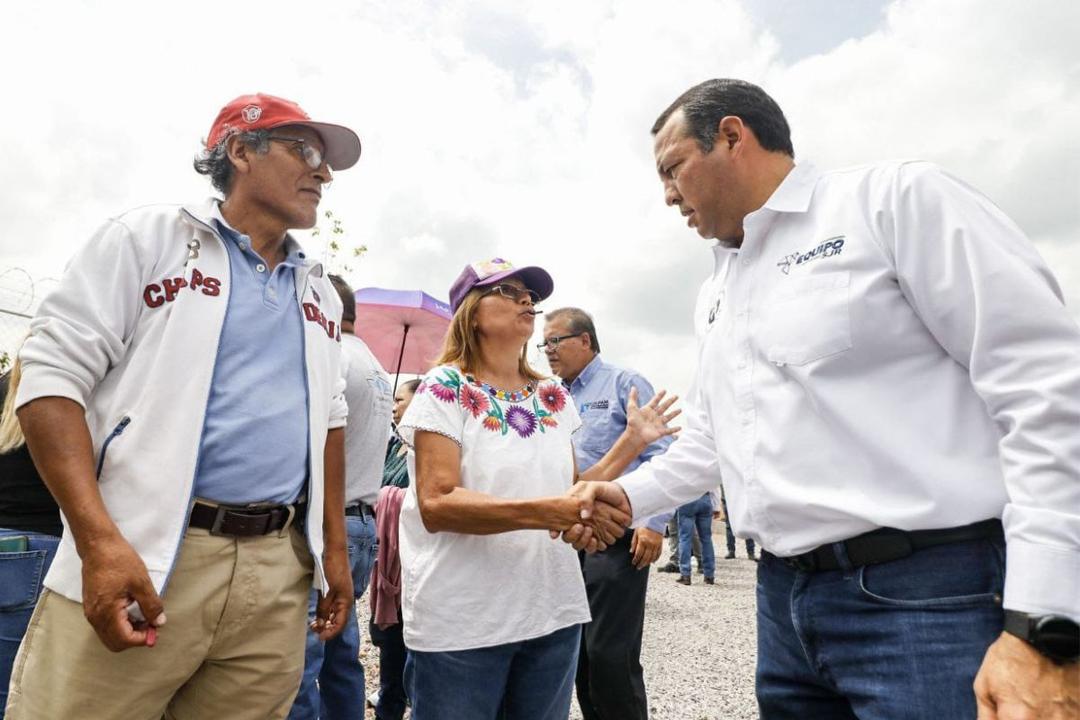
column 522, row 130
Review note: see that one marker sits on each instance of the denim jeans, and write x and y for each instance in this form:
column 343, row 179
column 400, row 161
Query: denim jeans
column 896, row 641
column 21, row 574
column 527, row 680
column 392, row 655
column 335, row 664
column 697, row 515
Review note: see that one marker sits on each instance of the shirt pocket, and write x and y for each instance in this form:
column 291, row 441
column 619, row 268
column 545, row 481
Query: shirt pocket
column 808, row 319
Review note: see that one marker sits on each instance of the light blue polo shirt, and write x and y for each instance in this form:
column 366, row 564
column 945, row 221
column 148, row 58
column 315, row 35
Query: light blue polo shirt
column 254, row 445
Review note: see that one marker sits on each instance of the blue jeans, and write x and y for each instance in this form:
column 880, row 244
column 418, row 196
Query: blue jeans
column 528, row 680
column 21, row 574
column 335, row 663
column 697, row 514
column 897, row 641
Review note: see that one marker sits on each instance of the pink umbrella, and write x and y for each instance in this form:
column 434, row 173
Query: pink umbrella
column 403, row 328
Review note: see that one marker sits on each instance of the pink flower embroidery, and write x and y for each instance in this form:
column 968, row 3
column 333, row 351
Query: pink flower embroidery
column 493, row 423
column 443, row 392
column 420, row 388
column 521, row 420
column 548, row 421
column 473, row 400
column 552, row 396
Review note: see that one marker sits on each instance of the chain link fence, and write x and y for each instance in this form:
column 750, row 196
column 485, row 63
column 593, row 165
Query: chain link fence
column 20, row 295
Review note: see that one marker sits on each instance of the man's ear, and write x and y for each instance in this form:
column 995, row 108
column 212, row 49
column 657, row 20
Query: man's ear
column 239, row 154
column 730, row 130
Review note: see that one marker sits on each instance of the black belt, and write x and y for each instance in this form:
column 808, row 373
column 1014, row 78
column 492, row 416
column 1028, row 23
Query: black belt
column 244, row 521
column 887, row 544
column 360, row 509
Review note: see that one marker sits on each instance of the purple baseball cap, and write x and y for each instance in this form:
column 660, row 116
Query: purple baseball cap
column 490, row 272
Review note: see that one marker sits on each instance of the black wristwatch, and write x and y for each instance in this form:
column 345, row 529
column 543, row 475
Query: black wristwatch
column 1055, row 636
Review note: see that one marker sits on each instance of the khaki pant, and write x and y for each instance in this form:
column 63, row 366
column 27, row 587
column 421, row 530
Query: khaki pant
column 233, row 646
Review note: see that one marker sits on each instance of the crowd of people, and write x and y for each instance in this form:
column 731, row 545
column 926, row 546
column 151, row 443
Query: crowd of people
column 203, row 468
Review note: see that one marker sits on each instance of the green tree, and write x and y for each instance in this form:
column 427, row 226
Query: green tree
column 338, row 253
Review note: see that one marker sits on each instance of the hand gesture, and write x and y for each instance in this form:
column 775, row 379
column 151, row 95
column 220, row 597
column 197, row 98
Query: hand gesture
column 332, row 610
column 118, row 596
column 649, row 423
column 1016, row 682
column 604, row 511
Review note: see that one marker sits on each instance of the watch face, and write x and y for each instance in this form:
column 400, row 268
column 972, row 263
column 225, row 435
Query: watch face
column 1058, row 638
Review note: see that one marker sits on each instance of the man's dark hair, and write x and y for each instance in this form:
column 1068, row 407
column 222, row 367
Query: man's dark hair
column 705, row 105
column 348, row 298
column 215, row 162
column 579, row 322
column 410, row 385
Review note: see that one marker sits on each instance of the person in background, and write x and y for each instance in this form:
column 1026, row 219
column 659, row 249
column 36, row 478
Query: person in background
column 30, row 529
column 696, row 515
column 610, row 681
column 492, row 606
column 672, row 533
column 390, row 699
column 729, row 536
column 335, row 663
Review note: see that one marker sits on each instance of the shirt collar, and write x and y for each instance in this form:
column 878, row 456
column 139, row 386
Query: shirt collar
column 795, row 190
column 294, row 254
column 588, row 371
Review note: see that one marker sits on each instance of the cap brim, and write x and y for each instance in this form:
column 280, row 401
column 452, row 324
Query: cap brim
column 535, row 278
column 342, row 144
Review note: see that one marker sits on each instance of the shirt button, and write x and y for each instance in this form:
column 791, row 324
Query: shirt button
column 260, row 267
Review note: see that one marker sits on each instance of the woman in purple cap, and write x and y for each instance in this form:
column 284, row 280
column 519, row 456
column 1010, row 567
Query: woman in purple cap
column 492, row 605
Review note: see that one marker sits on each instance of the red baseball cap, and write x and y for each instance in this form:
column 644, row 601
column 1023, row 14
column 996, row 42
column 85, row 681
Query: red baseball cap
column 263, row 112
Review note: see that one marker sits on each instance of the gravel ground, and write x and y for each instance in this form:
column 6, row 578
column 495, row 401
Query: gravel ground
column 698, row 650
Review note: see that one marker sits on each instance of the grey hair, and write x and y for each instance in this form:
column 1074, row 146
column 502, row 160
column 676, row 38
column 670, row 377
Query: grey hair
column 579, row 322
column 215, row 162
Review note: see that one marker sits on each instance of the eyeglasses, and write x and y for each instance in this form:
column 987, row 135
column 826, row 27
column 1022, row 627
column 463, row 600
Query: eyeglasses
column 312, row 155
column 514, row 292
column 553, row 342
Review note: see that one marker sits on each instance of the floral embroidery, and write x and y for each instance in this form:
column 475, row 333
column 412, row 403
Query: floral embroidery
column 473, row 400
column 521, row 420
column 552, row 396
column 483, row 401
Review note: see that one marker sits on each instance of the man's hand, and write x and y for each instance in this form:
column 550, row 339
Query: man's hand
column 601, row 504
column 332, row 610
column 645, row 547
column 114, row 577
column 1016, row 682
column 650, row 423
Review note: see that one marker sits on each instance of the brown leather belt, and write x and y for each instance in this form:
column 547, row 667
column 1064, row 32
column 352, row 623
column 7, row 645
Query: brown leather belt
column 244, row 521
column 887, row 544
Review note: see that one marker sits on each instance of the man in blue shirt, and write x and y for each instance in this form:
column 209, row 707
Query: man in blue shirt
column 610, row 685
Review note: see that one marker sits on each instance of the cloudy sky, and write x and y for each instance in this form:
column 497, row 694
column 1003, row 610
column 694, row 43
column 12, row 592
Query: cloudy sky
column 521, row 129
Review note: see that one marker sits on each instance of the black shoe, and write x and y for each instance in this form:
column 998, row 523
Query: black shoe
column 730, row 555
column 683, row 580
column 750, row 555
column 669, row 568
column 710, row 581
column 700, row 570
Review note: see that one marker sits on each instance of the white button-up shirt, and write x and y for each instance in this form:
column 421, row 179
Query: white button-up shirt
column 887, row 349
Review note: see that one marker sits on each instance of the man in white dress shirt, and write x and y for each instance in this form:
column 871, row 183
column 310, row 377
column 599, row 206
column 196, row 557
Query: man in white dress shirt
column 889, row 384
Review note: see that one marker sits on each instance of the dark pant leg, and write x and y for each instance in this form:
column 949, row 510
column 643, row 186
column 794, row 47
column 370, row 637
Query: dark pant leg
column 904, row 639
column 392, row 654
column 789, row 684
column 611, row 684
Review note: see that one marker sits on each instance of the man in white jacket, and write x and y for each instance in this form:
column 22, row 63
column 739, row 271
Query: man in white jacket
column 182, row 399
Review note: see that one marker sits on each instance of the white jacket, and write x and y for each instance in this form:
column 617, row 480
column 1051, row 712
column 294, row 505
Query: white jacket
column 131, row 333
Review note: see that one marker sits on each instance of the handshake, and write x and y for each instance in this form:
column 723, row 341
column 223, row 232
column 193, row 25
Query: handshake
column 592, row 515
